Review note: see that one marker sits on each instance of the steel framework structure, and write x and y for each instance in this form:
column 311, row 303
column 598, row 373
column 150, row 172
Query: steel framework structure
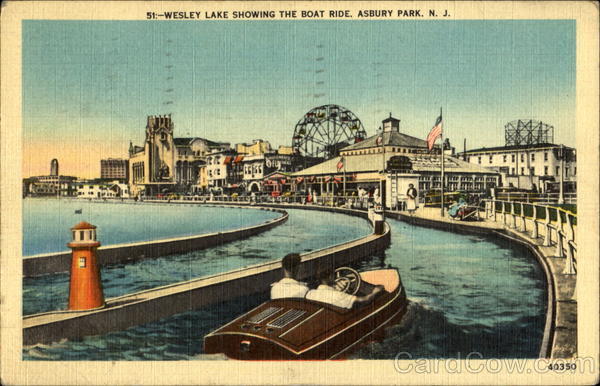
column 527, row 132
column 325, row 129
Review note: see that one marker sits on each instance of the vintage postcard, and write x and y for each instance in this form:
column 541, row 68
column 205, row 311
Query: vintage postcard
column 307, row 192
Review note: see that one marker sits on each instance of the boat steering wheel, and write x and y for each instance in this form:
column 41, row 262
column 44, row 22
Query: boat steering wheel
column 347, row 280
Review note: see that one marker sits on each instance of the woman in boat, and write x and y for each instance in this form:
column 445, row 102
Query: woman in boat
column 289, row 286
column 326, row 293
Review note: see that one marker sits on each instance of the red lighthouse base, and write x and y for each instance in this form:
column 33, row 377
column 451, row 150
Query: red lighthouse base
column 85, row 290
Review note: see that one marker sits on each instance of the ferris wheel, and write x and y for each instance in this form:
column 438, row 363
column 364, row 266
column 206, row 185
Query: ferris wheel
column 324, row 130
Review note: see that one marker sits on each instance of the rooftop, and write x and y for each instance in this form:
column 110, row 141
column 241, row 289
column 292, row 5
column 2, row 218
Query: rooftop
column 187, row 141
column 374, row 162
column 83, row 225
column 390, row 138
column 515, row 147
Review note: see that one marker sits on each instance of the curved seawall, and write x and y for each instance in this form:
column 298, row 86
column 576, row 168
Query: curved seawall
column 560, row 328
column 157, row 303
column 122, row 253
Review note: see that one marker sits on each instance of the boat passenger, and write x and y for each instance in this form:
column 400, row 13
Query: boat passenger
column 289, row 286
column 326, row 293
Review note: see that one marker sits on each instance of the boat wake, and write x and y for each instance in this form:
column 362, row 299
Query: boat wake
column 427, row 333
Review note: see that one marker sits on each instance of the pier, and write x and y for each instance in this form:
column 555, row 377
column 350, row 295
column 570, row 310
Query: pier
column 157, row 303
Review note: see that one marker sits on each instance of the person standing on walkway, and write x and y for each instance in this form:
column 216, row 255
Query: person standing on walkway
column 411, row 203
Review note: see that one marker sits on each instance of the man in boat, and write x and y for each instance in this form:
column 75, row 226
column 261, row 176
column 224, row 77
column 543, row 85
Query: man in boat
column 326, row 293
column 289, row 286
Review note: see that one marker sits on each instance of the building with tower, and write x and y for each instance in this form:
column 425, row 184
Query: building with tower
column 389, row 161
column 165, row 163
column 50, row 185
column 54, row 167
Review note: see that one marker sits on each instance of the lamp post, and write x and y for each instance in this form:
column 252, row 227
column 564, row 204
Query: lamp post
column 561, row 193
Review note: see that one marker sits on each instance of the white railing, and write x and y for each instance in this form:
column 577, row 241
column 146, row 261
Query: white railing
column 537, row 198
column 557, row 226
column 322, row 200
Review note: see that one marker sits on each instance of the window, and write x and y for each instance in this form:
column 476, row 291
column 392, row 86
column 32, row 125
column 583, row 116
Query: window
column 533, row 156
column 82, row 262
column 531, row 171
column 504, row 158
column 522, row 157
column 545, row 170
column 575, row 171
column 522, row 171
column 545, row 156
column 491, row 157
column 80, row 235
column 566, row 172
column 557, row 170
column 478, row 159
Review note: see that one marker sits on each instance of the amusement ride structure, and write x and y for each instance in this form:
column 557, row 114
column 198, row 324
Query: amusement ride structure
column 324, row 130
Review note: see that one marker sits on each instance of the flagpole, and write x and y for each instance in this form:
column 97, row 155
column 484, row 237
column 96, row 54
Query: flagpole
column 344, row 175
column 442, row 171
column 383, row 168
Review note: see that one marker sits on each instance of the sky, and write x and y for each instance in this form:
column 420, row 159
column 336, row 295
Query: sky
column 88, row 86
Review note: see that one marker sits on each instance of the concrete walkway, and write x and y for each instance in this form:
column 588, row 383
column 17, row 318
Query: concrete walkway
column 560, row 335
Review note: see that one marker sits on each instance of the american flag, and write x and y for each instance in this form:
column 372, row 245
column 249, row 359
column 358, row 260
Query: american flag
column 340, row 164
column 435, row 132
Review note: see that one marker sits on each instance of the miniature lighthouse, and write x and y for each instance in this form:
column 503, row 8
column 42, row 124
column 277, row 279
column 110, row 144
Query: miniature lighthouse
column 85, row 289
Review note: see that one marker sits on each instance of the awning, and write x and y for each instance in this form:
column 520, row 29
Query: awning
column 238, row 159
column 227, row 160
column 299, row 180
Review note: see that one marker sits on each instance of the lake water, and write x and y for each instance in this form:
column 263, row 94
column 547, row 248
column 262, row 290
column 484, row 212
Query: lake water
column 469, row 294
column 46, row 222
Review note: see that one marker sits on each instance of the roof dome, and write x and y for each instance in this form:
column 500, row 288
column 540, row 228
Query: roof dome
column 83, row 225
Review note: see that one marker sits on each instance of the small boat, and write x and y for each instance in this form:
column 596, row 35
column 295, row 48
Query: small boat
column 297, row 328
column 78, row 211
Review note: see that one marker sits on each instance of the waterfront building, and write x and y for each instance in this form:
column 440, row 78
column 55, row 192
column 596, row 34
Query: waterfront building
column 288, row 150
column 258, row 146
column 390, row 161
column 257, row 167
column 98, row 189
column 50, row 185
column 231, row 170
column 167, row 164
column 114, row 169
column 530, row 166
column 220, row 167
